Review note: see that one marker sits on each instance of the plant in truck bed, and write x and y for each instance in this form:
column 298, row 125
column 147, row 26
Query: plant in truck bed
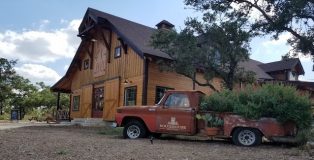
column 211, row 120
column 284, row 103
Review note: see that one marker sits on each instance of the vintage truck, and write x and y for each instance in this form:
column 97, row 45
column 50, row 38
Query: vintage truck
column 176, row 114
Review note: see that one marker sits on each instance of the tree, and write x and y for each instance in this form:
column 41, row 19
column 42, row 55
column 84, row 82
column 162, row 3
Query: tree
column 7, row 74
column 43, row 97
column 275, row 17
column 20, row 93
column 213, row 47
column 22, row 90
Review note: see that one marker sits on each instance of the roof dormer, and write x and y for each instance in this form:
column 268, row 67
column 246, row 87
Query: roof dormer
column 164, row 25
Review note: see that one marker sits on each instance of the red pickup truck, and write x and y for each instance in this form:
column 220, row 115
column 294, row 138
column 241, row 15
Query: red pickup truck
column 176, row 114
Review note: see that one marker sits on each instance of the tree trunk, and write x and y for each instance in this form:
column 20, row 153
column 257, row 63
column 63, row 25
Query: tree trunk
column 230, row 77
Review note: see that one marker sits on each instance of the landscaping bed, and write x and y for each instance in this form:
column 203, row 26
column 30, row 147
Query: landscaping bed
column 73, row 142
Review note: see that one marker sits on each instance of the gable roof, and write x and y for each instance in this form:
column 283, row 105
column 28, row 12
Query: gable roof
column 253, row 65
column 135, row 34
column 286, row 64
column 138, row 36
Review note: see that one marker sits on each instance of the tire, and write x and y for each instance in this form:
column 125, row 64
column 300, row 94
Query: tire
column 246, row 137
column 134, row 129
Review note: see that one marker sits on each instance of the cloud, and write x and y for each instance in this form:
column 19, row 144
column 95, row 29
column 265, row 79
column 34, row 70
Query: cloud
column 39, row 46
column 38, row 73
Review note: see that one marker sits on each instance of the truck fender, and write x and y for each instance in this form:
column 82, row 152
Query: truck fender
column 235, row 128
column 129, row 118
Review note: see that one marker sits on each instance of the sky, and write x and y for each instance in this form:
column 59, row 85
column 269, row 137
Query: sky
column 42, row 34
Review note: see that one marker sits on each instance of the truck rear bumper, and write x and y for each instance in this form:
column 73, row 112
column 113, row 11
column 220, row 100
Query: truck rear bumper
column 286, row 139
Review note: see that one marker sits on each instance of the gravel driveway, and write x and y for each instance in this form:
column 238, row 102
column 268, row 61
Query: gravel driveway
column 71, row 142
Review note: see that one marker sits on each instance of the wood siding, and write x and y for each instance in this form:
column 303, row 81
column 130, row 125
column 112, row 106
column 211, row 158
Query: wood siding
column 109, row 71
column 127, row 66
column 85, row 108
column 112, row 92
column 172, row 80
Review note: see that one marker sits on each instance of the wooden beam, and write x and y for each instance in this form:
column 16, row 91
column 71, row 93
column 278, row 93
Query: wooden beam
column 78, row 63
column 89, row 52
column 145, row 81
column 92, row 54
column 105, row 40
column 58, row 101
column 110, row 41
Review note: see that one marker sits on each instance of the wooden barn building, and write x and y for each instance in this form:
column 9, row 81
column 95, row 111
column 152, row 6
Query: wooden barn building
column 115, row 66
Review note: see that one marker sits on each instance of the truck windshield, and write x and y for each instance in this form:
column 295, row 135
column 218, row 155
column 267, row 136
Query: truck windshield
column 177, row 100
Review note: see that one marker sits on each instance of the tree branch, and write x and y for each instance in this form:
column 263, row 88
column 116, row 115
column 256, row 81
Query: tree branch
column 294, row 33
column 199, row 83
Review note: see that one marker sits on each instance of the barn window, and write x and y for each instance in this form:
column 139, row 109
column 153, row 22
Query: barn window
column 130, row 96
column 86, row 64
column 76, row 103
column 160, row 91
column 117, row 52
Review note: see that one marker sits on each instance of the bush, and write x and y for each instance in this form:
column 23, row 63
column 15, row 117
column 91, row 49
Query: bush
column 5, row 117
column 220, row 102
column 271, row 100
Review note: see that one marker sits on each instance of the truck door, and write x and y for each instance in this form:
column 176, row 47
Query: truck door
column 176, row 115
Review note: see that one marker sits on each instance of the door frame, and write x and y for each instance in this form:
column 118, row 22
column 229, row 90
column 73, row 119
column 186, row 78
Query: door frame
column 97, row 114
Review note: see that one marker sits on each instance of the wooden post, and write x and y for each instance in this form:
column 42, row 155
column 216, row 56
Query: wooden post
column 194, row 78
column 70, row 107
column 145, row 81
column 58, row 101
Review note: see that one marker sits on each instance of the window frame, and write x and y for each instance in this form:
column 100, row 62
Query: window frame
column 125, row 95
column 115, row 52
column 73, row 104
column 86, row 64
column 161, row 87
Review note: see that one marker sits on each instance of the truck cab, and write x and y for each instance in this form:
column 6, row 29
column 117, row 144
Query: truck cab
column 176, row 114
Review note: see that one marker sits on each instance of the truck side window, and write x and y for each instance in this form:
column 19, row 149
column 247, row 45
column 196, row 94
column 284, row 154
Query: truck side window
column 177, row 100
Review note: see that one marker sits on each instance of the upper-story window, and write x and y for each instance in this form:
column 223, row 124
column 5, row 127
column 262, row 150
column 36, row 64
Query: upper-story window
column 86, row 64
column 177, row 100
column 117, row 52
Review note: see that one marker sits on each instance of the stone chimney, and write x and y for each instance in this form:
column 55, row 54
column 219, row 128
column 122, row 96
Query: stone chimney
column 164, row 25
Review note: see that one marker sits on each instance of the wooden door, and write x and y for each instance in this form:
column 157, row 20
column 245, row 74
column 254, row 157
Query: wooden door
column 112, row 88
column 98, row 105
column 86, row 101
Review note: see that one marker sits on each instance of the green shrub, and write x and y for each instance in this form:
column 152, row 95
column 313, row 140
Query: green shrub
column 220, row 102
column 5, row 117
column 271, row 100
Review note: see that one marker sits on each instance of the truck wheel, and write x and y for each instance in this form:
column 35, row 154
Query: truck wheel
column 246, row 137
column 134, row 129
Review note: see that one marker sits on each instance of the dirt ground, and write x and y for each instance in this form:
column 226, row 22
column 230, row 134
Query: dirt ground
column 70, row 142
